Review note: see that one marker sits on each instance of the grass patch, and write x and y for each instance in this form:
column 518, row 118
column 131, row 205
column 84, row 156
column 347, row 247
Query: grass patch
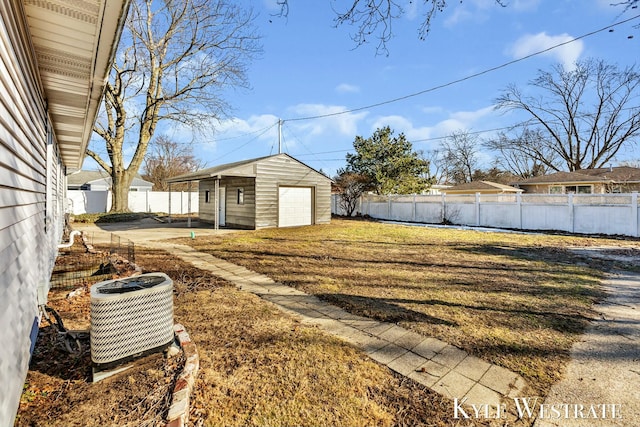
column 519, row 301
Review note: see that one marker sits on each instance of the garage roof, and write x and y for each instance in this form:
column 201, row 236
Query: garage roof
column 74, row 43
column 244, row 168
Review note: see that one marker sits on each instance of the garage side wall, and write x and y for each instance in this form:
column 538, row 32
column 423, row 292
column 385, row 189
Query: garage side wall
column 32, row 188
column 206, row 202
column 240, row 202
column 278, row 171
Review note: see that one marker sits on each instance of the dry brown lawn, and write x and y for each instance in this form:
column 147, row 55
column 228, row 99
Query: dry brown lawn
column 258, row 367
column 516, row 300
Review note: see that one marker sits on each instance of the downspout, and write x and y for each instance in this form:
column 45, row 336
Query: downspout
column 73, row 234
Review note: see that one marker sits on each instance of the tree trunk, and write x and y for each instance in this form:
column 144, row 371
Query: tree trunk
column 120, row 193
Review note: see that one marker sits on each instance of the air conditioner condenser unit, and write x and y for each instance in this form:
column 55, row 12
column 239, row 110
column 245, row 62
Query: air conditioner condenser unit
column 129, row 317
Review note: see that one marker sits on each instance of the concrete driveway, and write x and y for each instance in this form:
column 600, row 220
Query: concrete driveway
column 147, row 229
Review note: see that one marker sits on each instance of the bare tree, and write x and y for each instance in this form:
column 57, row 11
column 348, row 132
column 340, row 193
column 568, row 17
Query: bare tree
column 519, row 154
column 584, row 115
column 351, row 186
column 632, row 163
column 166, row 159
column 459, row 157
column 175, row 59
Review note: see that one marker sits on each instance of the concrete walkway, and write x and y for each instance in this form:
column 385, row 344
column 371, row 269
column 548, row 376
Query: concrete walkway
column 605, row 365
column 441, row 367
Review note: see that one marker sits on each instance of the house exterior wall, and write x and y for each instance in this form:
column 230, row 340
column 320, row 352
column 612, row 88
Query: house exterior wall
column 278, row 171
column 597, row 187
column 31, row 204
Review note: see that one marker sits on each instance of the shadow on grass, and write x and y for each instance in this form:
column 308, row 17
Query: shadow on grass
column 382, row 309
column 550, row 255
column 333, row 258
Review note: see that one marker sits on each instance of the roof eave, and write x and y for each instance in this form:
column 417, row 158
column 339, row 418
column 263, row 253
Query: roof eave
column 74, row 45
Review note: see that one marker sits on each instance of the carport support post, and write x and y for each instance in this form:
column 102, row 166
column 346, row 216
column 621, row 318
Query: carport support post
column 189, row 205
column 216, row 203
column 634, row 214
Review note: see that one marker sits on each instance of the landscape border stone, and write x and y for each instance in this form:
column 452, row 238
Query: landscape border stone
column 181, row 397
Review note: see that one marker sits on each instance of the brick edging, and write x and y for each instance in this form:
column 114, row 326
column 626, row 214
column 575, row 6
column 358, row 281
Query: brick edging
column 181, row 396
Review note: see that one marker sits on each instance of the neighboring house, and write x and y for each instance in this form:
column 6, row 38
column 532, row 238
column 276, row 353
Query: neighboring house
column 622, row 179
column 101, row 181
column 482, row 187
column 273, row 191
column 436, row 189
column 55, row 57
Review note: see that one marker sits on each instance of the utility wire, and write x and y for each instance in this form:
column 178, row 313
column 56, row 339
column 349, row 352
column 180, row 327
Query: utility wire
column 311, row 153
column 265, row 130
column 469, row 77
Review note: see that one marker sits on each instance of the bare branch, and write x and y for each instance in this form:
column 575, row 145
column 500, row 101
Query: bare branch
column 583, row 116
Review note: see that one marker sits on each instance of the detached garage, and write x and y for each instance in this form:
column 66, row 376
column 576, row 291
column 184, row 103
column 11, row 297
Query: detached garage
column 273, row 191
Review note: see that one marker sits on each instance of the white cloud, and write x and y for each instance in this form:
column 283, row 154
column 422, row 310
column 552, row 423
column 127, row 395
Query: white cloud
column 460, row 14
column 344, row 124
column 400, row 124
column 455, row 121
column 347, row 88
column 480, row 10
column 567, row 54
column 228, row 135
column 476, row 10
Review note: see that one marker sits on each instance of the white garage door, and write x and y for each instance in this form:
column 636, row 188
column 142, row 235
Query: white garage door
column 294, row 207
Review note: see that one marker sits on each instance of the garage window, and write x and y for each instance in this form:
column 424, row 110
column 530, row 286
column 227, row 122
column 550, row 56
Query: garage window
column 240, row 197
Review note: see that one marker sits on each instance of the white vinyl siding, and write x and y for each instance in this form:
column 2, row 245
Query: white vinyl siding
column 283, row 171
column 31, row 187
column 253, row 195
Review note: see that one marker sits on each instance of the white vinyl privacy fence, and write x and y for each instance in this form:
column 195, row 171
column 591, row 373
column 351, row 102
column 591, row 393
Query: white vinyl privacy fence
column 613, row 214
column 139, row 201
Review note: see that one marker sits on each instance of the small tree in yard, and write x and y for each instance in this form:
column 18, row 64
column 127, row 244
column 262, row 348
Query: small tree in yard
column 389, row 163
column 351, row 186
column 167, row 159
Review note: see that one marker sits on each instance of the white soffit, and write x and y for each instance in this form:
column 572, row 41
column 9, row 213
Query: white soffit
column 74, row 43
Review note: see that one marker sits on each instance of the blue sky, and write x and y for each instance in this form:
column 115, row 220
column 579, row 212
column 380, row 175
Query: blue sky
column 311, row 68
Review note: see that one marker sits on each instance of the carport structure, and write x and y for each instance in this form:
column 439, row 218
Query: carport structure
column 272, row 191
